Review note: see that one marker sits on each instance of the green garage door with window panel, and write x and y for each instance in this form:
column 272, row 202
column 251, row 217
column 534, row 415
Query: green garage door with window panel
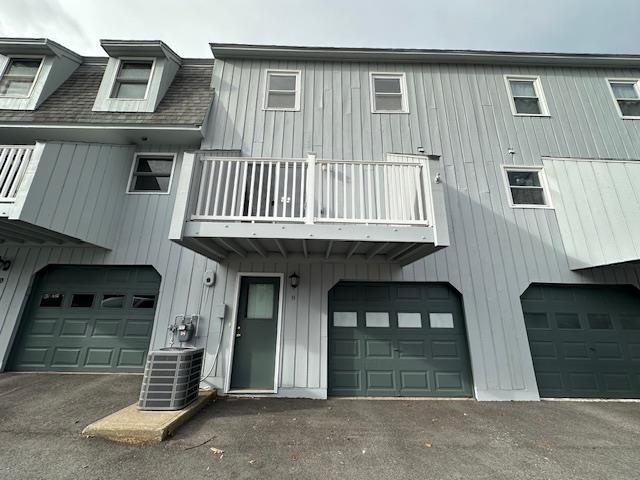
column 87, row 319
column 585, row 340
column 397, row 339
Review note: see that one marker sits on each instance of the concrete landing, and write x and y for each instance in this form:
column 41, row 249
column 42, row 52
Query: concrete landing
column 131, row 425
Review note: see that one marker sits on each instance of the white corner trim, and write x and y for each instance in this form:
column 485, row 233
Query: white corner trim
column 537, row 85
column 543, row 182
column 232, row 337
column 136, row 155
column 298, row 91
column 403, row 91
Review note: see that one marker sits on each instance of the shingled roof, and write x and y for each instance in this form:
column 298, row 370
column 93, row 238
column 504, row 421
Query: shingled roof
column 186, row 102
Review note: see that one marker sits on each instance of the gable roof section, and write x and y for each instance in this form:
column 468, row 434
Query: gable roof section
column 186, row 102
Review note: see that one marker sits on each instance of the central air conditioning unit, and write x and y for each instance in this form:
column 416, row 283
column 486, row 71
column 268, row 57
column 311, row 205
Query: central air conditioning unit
column 171, row 378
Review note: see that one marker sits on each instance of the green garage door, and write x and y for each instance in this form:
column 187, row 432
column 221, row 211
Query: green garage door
column 87, row 319
column 397, row 339
column 585, row 340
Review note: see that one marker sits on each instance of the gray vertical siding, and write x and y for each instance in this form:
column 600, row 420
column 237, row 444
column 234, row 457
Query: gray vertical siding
column 462, row 113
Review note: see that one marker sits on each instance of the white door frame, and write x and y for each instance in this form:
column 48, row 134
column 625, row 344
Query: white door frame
column 234, row 321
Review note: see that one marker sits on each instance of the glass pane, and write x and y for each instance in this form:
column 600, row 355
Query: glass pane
column 441, row 320
column 377, row 319
column 527, row 196
column 260, row 300
column 523, row 88
column 282, row 82
column 24, row 67
column 16, row 88
column 112, row 301
column 154, row 165
column 281, row 100
column 135, row 71
column 630, row 322
column 600, row 321
column 530, row 106
column 151, row 184
column 630, row 108
column 82, row 300
column 536, row 320
column 143, row 301
column 567, row 320
column 345, row 319
column 386, row 85
column 130, row 90
column 523, row 179
column 51, row 300
column 389, row 103
column 624, row 90
column 409, row 320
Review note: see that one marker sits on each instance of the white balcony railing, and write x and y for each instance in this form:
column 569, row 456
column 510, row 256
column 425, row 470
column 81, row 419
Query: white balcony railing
column 312, row 191
column 13, row 163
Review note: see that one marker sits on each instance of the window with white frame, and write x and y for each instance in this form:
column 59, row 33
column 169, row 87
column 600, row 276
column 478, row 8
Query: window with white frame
column 282, row 90
column 19, row 77
column 527, row 187
column 526, row 95
column 388, row 93
column 627, row 96
column 151, row 173
column 132, row 79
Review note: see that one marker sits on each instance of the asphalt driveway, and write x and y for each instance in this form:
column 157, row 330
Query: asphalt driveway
column 41, row 417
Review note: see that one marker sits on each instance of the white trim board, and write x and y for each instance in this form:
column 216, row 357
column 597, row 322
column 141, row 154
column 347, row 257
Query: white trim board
column 234, row 321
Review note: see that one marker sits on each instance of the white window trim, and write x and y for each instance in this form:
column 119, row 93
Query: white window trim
column 173, row 157
column 403, row 91
column 543, row 182
column 636, row 85
column 537, row 85
column 298, row 91
column 115, row 76
column 35, row 79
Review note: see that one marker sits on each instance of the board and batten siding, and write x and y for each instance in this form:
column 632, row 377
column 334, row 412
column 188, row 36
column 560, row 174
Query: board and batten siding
column 598, row 207
column 461, row 112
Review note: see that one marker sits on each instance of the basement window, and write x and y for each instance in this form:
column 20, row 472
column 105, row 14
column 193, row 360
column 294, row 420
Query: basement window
column 151, row 173
column 526, row 96
column 389, row 93
column 527, row 187
column 19, row 77
column 282, row 90
column 627, row 96
column 132, row 79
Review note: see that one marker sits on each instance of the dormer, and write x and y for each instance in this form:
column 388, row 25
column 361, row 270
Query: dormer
column 137, row 75
column 31, row 69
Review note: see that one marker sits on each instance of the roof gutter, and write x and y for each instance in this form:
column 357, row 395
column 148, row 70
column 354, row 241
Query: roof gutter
column 228, row 50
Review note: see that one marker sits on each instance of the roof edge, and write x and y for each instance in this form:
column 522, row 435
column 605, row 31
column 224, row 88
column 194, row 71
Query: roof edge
column 156, row 48
column 233, row 50
column 38, row 46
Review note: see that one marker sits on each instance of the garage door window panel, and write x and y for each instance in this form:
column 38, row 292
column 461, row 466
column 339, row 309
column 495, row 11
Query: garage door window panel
column 600, row 321
column 143, row 301
column 52, row 300
column 377, row 319
column 441, row 320
column 568, row 321
column 111, row 300
column 409, row 320
column 82, row 300
column 345, row 319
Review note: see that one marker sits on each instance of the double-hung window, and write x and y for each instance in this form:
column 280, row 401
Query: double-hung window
column 282, row 90
column 151, row 173
column 19, row 77
column 132, row 79
column 388, row 93
column 527, row 187
column 627, row 96
column 526, row 96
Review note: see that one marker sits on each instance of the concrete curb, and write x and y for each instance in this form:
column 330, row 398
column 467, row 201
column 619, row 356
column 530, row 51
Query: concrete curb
column 134, row 426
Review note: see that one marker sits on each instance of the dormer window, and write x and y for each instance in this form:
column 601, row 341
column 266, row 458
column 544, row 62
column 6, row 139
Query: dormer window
column 19, row 77
column 132, row 79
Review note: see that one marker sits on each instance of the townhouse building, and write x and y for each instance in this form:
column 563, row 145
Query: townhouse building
column 325, row 221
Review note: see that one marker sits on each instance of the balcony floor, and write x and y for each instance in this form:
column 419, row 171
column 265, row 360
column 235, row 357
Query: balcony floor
column 224, row 241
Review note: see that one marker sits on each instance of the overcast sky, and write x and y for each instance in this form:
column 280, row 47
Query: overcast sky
column 604, row 26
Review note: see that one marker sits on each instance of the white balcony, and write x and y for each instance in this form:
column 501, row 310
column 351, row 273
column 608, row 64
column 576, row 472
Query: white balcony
column 14, row 160
column 310, row 207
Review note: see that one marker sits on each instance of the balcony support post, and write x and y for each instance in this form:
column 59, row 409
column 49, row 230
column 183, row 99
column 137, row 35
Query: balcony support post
column 310, row 189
